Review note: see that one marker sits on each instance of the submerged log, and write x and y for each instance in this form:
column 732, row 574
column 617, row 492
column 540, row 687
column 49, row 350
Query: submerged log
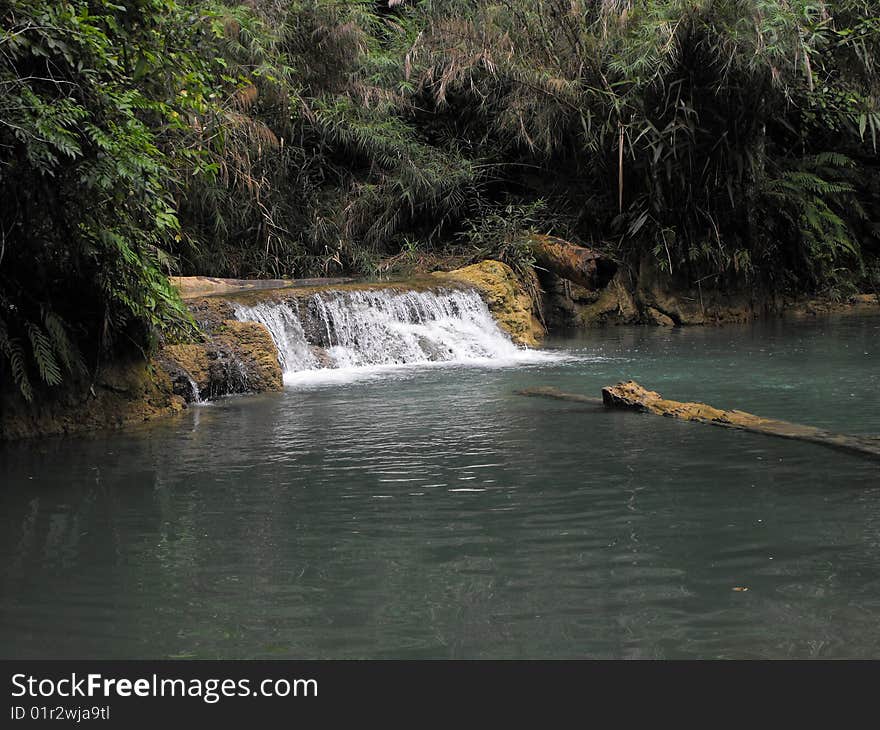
column 547, row 391
column 632, row 396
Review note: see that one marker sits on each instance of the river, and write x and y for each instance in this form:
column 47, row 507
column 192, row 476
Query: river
column 428, row 511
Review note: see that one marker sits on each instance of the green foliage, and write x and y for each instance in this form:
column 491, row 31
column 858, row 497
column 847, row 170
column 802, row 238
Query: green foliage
column 681, row 124
column 84, row 197
column 732, row 141
column 808, row 202
column 504, row 234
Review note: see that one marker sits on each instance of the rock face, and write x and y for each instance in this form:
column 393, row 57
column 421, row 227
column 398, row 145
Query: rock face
column 584, row 288
column 123, row 393
column 655, row 316
column 506, row 297
column 613, row 305
column 236, row 357
column 664, row 301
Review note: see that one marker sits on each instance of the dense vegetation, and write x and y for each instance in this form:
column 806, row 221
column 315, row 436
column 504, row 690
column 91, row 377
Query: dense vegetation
column 732, row 142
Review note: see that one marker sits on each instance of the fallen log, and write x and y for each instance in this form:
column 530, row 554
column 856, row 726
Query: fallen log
column 584, row 266
column 632, row 396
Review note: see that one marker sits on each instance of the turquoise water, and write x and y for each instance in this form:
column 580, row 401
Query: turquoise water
column 434, row 513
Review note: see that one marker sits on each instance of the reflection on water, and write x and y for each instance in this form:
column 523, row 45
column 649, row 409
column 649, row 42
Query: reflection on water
column 433, row 513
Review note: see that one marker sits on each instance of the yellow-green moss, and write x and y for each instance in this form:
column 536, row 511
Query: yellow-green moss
column 193, row 358
column 123, row 393
column 254, row 347
column 505, row 296
column 614, row 305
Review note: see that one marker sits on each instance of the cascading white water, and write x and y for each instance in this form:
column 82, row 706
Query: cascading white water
column 283, row 322
column 357, row 329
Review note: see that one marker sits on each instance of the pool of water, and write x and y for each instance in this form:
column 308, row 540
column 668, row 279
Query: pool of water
column 433, row 513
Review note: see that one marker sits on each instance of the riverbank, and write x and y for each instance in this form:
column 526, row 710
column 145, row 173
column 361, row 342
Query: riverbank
column 241, row 356
column 238, row 355
column 647, row 296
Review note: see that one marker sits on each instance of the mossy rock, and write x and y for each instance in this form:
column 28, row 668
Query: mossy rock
column 506, row 297
column 237, row 357
column 255, row 349
column 614, row 305
column 123, row 393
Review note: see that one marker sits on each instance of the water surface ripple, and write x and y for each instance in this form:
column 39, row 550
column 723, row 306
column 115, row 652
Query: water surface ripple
column 431, row 512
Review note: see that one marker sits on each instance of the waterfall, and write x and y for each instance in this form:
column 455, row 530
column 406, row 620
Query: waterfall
column 195, row 396
column 345, row 330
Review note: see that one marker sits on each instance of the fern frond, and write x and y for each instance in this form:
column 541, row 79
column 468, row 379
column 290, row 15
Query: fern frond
column 41, row 347
column 63, row 346
column 15, row 357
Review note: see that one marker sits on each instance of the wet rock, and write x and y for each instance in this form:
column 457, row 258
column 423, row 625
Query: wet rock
column 614, row 305
column 820, row 306
column 185, row 365
column 631, row 396
column 324, row 358
column 257, row 369
column 210, row 312
column 235, row 357
column 434, row 351
column 317, row 328
column 689, row 304
column 558, row 306
column 582, row 295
